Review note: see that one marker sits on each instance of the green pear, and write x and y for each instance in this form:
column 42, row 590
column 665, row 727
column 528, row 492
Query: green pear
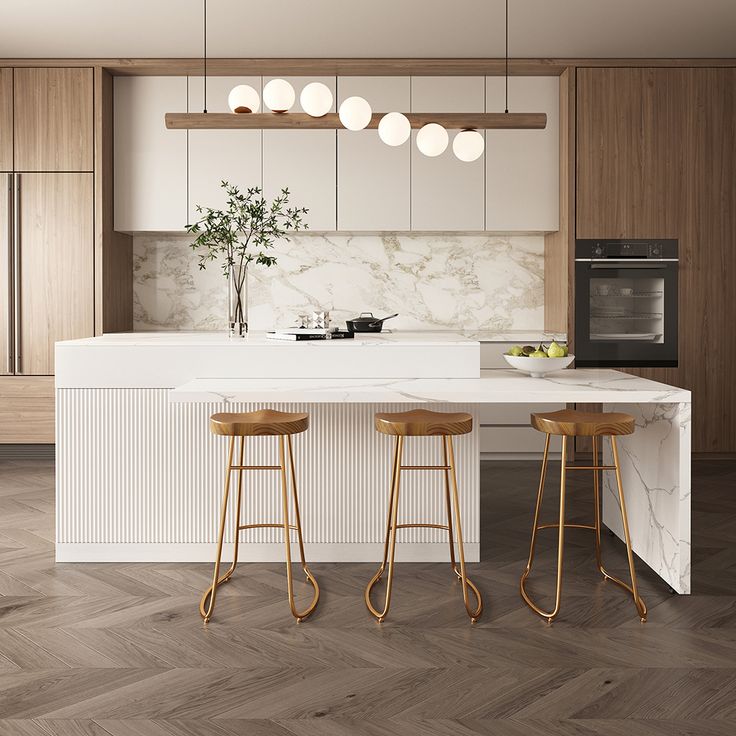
column 555, row 350
column 539, row 354
column 517, row 351
column 566, row 351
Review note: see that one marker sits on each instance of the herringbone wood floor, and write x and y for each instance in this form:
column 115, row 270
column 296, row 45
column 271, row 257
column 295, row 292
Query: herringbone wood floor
column 119, row 650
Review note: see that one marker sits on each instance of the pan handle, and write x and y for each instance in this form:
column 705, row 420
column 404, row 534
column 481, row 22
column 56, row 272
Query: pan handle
column 381, row 321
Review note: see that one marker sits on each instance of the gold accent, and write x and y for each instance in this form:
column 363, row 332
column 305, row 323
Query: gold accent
column 596, row 527
column 207, row 603
column 389, row 546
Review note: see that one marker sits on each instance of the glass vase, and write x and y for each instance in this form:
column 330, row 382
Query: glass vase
column 238, row 301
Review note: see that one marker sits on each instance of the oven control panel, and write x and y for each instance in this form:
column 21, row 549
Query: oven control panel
column 622, row 249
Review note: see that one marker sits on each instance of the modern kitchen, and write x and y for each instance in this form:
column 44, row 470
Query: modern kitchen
column 367, row 370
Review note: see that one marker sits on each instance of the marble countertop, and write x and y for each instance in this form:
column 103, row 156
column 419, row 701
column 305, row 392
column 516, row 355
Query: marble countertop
column 259, row 339
column 590, row 385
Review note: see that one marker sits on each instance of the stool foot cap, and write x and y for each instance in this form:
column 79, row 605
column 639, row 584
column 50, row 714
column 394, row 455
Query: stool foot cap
column 298, row 620
column 473, row 620
column 207, row 620
column 643, row 619
column 381, row 620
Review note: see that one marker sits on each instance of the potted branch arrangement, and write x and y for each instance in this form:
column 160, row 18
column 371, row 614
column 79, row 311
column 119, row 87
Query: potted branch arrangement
column 242, row 234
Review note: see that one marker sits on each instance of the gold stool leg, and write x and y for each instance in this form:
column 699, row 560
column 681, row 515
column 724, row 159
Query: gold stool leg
column 298, row 615
column 389, row 546
column 310, row 577
column 474, row 613
column 549, row 615
column 633, row 588
column 207, row 603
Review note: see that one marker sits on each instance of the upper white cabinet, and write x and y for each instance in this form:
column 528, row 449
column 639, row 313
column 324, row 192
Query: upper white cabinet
column 216, row 155
column 373, row 179
column 304, row 161
column 522, row 166
column 446, row 193
column 150, row 161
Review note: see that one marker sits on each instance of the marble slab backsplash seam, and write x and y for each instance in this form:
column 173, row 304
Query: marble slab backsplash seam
column 440, row 281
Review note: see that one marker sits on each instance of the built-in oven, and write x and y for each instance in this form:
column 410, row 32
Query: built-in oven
column 626, row 303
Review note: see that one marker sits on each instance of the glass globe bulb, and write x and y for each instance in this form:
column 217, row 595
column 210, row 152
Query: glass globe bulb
column 468, row 145
column 243, row 98
column 394, row 129
column 316, row 99
column 432, row 139
column 278, row 95
column 355, row 113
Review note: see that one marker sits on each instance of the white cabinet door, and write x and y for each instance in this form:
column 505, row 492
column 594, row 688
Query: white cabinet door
column 305, row 162
column 522, row 166
column 446, row 193
column 373, row 179
column 150, row 161
column 220, row 155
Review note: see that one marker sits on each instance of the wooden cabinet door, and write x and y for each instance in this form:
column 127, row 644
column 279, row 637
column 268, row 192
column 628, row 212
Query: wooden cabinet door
column 150, row 161
column 53, row 119
column 305, row 161
column 220, row 155
column 373, row 179
column 446, row 193
column 56, row 265
column 6, row 245
column 6, row 119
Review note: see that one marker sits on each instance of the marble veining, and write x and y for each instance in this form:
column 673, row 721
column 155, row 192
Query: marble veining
column 444, row 281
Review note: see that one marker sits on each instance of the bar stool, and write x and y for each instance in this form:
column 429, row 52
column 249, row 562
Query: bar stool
column 571, row 423
column 265, row 422
column 423, row 423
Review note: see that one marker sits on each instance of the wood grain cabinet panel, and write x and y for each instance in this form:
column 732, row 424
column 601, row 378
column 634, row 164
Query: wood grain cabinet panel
column 6, row 119
column 305, row 161
column 27, row 410
column 373, row 179
column 656, row 155
column 56, row 265
column 6, row 333
column 216, row 155
column 53, row 119
column 446, row 193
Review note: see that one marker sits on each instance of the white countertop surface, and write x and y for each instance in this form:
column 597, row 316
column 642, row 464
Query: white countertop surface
column 589, row 385
column 259, row 339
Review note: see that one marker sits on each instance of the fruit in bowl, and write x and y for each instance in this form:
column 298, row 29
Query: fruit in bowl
column 540, row 360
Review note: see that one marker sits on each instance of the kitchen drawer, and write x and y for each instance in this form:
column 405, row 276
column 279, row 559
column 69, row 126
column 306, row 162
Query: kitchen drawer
column 505, row 414
column 509, row 440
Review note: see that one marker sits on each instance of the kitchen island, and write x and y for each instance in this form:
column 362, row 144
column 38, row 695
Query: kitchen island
column 139, row 476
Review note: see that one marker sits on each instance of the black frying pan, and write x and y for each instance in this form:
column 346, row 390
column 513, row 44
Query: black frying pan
column 367, row 323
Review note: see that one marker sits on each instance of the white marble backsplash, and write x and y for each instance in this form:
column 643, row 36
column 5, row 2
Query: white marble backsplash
column 434, row 281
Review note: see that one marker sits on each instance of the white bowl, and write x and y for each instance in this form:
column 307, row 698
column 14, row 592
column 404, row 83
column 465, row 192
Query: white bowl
column 537, row 367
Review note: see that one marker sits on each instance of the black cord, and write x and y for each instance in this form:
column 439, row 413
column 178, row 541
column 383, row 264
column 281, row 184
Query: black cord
column 205, row 56
column 507, row 55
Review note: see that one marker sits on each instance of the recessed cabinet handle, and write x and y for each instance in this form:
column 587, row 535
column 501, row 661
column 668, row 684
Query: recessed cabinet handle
column 16, row 272
column 11, row 275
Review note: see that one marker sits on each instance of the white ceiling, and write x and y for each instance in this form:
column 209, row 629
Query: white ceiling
column 368, row 28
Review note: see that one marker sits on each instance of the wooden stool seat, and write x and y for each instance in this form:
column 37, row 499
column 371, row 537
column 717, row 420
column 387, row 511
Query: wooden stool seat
column 264, row 422
column 423, row 423
column 573, row 423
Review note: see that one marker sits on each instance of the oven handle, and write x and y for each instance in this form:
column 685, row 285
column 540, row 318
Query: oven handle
column 617, row 266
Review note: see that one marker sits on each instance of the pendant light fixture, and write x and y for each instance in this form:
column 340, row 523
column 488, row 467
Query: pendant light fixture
column 316, row 99
column 278, row 95
column 355, row 113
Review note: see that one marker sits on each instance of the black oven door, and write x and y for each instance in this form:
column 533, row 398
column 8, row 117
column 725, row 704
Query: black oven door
column 625, row 314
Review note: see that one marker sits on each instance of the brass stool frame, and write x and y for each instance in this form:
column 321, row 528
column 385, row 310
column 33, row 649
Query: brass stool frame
column 389, row 546
column 596, row 527
column 207, row 604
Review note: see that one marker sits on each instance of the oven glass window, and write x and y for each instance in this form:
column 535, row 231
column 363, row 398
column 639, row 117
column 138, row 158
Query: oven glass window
column 624, row 308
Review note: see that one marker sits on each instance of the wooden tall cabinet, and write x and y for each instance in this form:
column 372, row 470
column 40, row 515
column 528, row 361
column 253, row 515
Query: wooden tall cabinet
column 47, row 238
column 656, row 156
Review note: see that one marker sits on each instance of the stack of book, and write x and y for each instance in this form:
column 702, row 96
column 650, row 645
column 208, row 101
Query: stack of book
column 309, row 333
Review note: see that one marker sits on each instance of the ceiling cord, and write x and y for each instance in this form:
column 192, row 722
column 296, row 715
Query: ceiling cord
column 507, row 55
column 205, row 57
